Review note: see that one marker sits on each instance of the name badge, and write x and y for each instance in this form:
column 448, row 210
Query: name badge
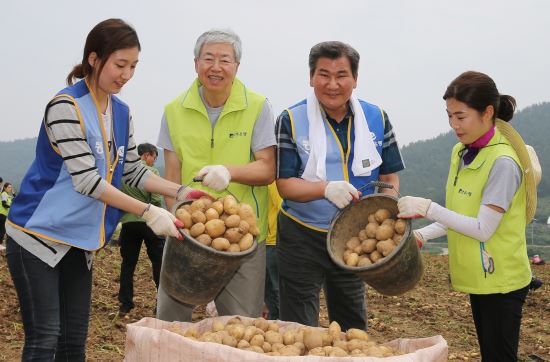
column 366, row 163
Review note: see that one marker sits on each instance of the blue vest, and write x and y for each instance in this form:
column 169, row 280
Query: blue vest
column 47, row 205
column 318, row 214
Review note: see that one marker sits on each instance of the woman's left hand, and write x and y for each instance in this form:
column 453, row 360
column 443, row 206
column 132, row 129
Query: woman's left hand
column 411, row 207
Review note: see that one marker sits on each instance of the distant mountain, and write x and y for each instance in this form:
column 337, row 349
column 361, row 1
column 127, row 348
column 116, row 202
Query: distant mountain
column 427, row 161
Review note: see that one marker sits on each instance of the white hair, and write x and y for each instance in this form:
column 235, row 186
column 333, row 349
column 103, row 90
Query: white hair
column 226, row 36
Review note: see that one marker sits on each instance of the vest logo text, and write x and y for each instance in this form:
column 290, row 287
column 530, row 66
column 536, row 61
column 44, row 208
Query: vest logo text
column 464, row 192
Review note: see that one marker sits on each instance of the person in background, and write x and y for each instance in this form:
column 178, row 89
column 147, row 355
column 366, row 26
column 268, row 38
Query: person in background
column 489, row 201
column 329, row 145
column 135, row 231
column 222, row 132
column 271, row 296
column 6, row 197
column 69, row 201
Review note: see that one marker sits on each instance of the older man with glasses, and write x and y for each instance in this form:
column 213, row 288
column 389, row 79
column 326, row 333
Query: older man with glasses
column 222, row 132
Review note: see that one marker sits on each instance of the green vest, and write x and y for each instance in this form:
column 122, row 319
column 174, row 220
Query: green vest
column 196, row 144
column 507, row 246
column 4, row 211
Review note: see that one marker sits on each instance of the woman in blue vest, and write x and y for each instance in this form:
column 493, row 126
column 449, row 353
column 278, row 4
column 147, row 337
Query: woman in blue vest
column 70, row 202
column 489, row 200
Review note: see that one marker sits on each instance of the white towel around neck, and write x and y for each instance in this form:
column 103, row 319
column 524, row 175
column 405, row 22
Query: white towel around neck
column 366, row 157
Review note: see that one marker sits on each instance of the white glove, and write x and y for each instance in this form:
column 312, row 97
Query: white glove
column 411, row 207
column 216, row 177
column 340, row 193
column 161, row 221
column 420, row 241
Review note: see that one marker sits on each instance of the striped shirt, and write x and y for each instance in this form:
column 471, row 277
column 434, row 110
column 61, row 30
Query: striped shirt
column 288, row 159
column 64, row 132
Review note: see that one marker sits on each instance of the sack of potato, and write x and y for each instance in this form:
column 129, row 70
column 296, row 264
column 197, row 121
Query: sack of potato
column 376, row 241
column 231, row 338
column 223, row 224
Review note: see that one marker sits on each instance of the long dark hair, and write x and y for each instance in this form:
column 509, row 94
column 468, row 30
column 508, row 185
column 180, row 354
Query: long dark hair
column 104, row 39
column 478, row 91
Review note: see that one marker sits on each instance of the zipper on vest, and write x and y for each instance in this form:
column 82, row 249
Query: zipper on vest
column 212, row 138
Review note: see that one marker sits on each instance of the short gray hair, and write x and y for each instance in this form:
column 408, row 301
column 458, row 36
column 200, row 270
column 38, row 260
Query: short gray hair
column 226, row 36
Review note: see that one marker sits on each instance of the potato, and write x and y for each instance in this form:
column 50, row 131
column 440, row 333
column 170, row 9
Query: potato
column 198, row 205
column 289, row 337
column 185, row 217
column 358, row 250
column 235, row 330
column 204, row 239
column 215, row 228
column 352, row 260
column 218, row 206
column 229, row 341
column 198, row 216
column 371, row 218
column 313, row 338
column 266, row 347
column 230, row 205
column 382, row 214
column 187, row 207
column 346, row 254
column 389, row 222
column 242, row 344
column 217, row 326
column 369, row 245
column 353, row 243
column 289, row 351
column 221, row 244
column 254, row 230
column 233, row 235
column 224, row 217
column 207, row 201
column 234, row 248
column 300, row 346
column 232, row 221
column 257, row 340
column 354, row 333
column 273, row 337
column 384, row 232
column 397, row 238
column 249, row 332
column 375, row 256
column 318, row 351
column 191, row 332
column 371, row 229
column 364, row 261
column 246, row 242
column 385, row 247
column 256, row 349
column 273, row 326
column 341, row 344
column 261, row 323
column 335, row 331
column 211, row 214
column 234, row 320
column 362, row 235
column 400, row 226
column 246, row 212
column 276, row 346
column 327, row 339
column 337, row 352
column 357, row 353
column 197, row 229
column 357, row 344
column 243, row 227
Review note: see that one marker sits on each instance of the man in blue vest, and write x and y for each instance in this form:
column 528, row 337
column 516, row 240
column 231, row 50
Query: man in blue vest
column 329, row 145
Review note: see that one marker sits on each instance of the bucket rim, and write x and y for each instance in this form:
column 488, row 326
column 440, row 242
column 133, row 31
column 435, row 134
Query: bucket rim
column 378, row 264
column 195, row 242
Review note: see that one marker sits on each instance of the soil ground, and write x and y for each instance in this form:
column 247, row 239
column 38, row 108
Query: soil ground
column 432, row 308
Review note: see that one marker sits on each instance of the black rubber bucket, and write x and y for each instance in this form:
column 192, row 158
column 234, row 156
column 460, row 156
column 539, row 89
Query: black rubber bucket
column 193, row 273
column 398, row 272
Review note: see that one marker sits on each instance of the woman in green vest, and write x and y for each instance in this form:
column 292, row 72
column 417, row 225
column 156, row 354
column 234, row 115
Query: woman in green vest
column 489, row 201
column 6, row 197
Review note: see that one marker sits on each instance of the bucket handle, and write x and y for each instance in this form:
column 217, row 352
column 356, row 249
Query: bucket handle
column 199, row 179
column 379, row 184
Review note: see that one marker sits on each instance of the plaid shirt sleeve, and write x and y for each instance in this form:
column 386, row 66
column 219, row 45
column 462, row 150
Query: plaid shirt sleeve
column 288, row 160
column 392, row 161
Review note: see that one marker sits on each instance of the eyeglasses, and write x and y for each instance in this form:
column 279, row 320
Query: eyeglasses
column 223, row 62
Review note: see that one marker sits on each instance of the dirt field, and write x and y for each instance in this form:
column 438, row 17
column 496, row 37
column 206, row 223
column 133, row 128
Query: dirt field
column 430, row 309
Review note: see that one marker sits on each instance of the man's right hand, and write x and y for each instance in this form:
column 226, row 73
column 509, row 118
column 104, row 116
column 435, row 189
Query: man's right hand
column 161, row 221
column 340, row 193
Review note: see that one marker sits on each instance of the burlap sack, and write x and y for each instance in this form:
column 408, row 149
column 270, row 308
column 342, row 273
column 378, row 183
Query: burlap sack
column 149, row 340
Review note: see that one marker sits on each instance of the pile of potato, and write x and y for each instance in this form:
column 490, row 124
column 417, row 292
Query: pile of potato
column 376, row 241
column 223, row 224
column 262, row 336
